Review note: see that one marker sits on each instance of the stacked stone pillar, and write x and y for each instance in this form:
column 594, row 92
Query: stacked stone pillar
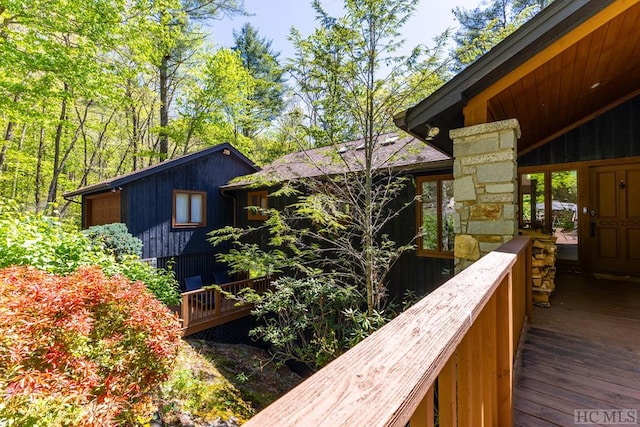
column 485, row 174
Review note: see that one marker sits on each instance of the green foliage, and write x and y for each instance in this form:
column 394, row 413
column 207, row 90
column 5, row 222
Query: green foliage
column 332, row 238
column 483, row 27
column 39, row 241
column 83, row 349
column 206, row 399
column 262, row 63
column 160, row 282
column 42, row 242
column 215, row 97
column 564, row 185
column 115, row 239
column 311, row 320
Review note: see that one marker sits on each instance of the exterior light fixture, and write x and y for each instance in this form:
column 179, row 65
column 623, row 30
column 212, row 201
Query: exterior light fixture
column 433, row 132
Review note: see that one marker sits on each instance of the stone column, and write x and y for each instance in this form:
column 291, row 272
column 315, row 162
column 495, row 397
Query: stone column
column 484, row 189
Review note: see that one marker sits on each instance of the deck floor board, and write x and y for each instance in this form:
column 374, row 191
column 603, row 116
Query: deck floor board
column 581, row 353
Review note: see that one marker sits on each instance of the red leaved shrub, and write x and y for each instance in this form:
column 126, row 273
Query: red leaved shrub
column 83, row 349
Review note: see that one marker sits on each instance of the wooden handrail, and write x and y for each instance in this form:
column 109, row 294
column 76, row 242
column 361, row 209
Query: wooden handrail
column 207, row 307
column 464, row 334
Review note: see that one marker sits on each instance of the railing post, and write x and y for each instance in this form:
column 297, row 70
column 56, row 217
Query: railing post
column 447, row 395
column 489, row 356
column 423, row 416
column 185, row 311
column 504, row 363
column 527, row 282
column 216, row 302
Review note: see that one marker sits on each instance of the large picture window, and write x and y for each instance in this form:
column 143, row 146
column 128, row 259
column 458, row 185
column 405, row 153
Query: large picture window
column 189, row 208
column 435, row 216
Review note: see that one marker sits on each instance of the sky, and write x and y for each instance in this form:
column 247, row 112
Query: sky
column 274, row 19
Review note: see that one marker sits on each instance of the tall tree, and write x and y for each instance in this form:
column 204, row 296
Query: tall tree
column 262, row 62
column 181, row 30
column 484, row 26
column 350, row 80
column 50, row 58
column 216, row 96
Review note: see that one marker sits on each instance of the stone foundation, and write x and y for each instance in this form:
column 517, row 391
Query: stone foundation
column 485, row 173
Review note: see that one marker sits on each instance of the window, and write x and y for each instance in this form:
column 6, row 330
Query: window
column 189, row 208
column 532, row 200
column 549, row 204
column 435, row 216
column 257, row 205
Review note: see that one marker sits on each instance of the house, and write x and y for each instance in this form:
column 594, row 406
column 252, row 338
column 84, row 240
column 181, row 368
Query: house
column 546, row 120
column 171, row 206
column 419, row 271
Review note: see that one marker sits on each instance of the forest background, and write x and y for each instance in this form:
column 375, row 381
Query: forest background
column 91, row 89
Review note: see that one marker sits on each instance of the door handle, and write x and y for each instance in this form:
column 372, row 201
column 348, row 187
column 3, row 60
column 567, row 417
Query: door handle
column 593, row 229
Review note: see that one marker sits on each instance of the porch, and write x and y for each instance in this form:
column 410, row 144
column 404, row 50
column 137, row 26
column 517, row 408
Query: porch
column 458, row 358
column 581, row 353
column 208, row 307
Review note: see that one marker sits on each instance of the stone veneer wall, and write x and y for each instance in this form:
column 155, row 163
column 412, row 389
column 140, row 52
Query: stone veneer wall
column 484, row 189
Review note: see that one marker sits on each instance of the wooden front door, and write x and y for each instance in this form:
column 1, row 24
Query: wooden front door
column 614, row 218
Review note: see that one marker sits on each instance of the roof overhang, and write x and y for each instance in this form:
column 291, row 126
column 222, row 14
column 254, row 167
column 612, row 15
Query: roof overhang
column 122, row 180
column 440, row 165
column 570, row 63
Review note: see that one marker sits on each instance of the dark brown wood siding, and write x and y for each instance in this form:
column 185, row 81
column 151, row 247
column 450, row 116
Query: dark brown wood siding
column 149, row 202
column 420, row 275
column 614, row 134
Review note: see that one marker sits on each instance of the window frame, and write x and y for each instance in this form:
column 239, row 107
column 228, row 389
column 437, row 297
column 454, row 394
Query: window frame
column 203, row 213
column 420, row 251
column 546, row 171
column 257, row 214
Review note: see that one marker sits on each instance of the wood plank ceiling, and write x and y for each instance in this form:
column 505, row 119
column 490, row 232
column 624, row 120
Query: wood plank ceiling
column 592, row 75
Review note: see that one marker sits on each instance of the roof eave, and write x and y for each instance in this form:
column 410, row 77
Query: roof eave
column 556, row 20
column 117, row 182
column 410, row 167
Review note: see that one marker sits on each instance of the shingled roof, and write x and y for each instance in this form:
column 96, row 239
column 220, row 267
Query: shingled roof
column 159, row 167
column 404, row 153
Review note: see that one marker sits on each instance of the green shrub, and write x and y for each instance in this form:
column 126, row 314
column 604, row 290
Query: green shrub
column 81, row 349
column 116, row 239
column 39, row 241
column 311, row 320
column 49, row 245
column 162, row 283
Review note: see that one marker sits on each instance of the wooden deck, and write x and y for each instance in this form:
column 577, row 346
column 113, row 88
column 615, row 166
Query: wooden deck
column 208, row 307
column 581, row 353
column 459, row 340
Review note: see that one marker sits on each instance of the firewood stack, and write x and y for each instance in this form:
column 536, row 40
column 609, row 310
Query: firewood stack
column 543, row 266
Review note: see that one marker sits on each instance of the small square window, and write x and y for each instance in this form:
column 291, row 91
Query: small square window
column 189, row 209
column 257, row 205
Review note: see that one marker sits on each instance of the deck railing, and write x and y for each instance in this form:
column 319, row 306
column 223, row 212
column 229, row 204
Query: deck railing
column 459, row 342
column 208, row 307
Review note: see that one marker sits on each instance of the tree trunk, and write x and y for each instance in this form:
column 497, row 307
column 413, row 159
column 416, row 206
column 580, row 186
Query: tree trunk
column 52, row 194
column 17, row 170
column 8, row 137
column 3, row 155
column 39, row 163
column 135, row 123
column 164, row 108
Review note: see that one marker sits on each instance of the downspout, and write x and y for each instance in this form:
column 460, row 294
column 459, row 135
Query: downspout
column 70, row 200
column 224, row 193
